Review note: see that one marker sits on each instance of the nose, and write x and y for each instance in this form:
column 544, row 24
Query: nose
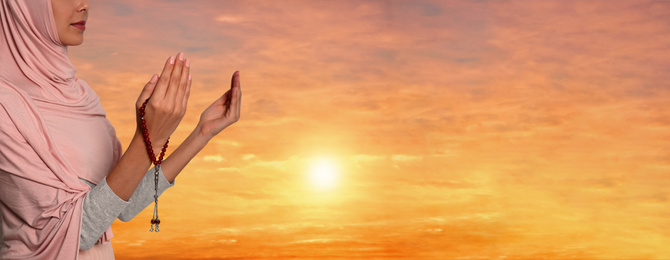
column 83, row 6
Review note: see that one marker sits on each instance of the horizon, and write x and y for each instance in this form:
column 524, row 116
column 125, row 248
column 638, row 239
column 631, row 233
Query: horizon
column 402, row 129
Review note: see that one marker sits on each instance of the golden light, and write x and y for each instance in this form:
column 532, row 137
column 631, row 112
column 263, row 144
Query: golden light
column 323, row 174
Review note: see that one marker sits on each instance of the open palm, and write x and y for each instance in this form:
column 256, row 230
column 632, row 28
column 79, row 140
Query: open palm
column 224, row 111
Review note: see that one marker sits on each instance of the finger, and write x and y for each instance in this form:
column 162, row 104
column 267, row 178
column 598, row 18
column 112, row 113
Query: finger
column 147, row 90
column 226, row 99
column 222, row 98
column 175, row 79
column 234, row 79
column 183, row 83
column 188, row 91
column 164, row 78
column 239, row 93
column 229, row 96
column 226, row 104
column 236, row 99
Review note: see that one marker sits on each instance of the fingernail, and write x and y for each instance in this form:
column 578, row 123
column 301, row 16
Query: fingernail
column 187, row 63
column 189, row 77
column 154, row 79
column 181, row 56
column 171, row 59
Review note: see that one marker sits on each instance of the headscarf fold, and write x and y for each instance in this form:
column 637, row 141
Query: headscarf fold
column 53, row 132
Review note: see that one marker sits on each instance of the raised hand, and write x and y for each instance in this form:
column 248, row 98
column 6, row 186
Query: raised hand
column 224, row 111
column 168, row 96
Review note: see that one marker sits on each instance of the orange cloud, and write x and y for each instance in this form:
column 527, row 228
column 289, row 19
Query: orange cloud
column 469, row 129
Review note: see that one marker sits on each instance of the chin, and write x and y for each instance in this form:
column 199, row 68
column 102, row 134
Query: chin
column 72, row 38
column 73, row 42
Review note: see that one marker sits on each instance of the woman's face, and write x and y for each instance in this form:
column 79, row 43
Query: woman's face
column 70, row 17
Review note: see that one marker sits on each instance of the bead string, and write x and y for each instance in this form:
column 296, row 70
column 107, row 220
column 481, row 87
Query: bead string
column 155, row 221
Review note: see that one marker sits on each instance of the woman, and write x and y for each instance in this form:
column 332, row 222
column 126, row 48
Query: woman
column 63, row 178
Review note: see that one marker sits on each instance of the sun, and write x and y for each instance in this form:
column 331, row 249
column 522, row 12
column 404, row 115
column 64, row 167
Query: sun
column 323, row 174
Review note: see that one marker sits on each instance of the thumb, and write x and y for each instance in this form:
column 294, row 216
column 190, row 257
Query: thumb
column 148, row 90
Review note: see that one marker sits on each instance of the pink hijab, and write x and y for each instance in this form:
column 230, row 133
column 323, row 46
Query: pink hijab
column 53, row 131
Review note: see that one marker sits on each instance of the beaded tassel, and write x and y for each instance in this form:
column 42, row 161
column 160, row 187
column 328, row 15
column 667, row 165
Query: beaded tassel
column 155, row 221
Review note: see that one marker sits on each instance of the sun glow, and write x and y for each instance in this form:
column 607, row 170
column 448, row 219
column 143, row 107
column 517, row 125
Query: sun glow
column 323, row 174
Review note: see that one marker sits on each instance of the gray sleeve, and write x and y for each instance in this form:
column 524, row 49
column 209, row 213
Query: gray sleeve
column 144, row 194
column 101, row 207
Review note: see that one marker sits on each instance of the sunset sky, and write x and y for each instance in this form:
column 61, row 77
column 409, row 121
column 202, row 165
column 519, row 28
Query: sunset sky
column 444, row 129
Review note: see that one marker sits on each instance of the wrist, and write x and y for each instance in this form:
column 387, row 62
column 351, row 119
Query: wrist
column 137, row 143
column 199, row 136
column 156, row 146
column 200, row 133
column 138, row 137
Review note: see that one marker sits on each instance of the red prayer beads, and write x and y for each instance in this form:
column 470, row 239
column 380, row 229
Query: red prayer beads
column 147, row 141
column 155, row 221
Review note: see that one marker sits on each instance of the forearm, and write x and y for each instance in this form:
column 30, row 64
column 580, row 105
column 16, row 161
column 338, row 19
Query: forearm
column 176, row 162
column 130, row 169
column 144, row 194
column 101, row 208
column 170, row 168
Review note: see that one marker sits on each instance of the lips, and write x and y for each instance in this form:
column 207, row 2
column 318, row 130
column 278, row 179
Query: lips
column 81, row 25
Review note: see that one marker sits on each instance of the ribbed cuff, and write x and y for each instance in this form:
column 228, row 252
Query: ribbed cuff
column 101, row 207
